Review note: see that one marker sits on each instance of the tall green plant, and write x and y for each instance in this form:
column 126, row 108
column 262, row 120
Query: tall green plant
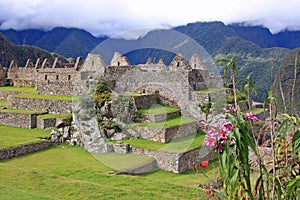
column 230, row 64
column 248, row 84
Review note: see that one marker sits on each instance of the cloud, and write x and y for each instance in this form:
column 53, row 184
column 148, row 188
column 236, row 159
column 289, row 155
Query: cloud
column 111, row 17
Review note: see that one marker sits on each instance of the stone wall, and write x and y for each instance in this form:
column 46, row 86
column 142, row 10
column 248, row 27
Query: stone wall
column 173, row 86
column 21, row 120
column 4, row 94
column 165, row 160
column 23, row 149
column 21, row 73
column 145, row 101
column 56, row 81
column 187, row 159
column 47, row 123
column 161, row 134
column 21, row 82
column 178, row 162
column 160, row 117
column 201, row 97
column 49, row 105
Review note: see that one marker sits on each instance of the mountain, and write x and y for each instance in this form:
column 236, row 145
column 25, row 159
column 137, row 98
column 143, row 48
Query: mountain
column 284, row 81
column 260, row 52
column 10, row 51
column 68, row 42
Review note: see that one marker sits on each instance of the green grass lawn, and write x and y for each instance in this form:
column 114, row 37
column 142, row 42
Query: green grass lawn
column 13, row 136
column 158, row 110
column 177, row 145
column 176, row 121
column 3, row 102
column 66, row 172
column 46, row 97
column 18, row 89
column 208, row 90
column 11, row 110
column 47, row 116
column 129, row 161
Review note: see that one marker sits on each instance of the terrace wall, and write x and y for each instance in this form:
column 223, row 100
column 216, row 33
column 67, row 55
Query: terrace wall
column 178, row 162
column 21, row 120
column 47, row 123
column 160, row 134
column 49, row 105
column 23, row 149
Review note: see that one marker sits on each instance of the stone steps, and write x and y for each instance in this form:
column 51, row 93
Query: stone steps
column 166, row 131
column 159, row 113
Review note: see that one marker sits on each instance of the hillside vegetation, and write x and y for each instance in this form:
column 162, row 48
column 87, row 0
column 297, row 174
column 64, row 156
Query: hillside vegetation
column 284, row 81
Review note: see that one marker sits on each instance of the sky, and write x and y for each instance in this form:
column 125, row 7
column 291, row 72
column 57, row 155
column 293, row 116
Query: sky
column 111, row 17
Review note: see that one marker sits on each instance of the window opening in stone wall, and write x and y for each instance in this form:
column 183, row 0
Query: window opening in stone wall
column 69, row 77
column 118, row 64
column 46, row 77
column 92, row 63
column 195, row 65
column 56, row 77
column 178, row 64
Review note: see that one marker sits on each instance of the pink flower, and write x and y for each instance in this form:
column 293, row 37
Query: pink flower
column 250, row 117
column 210, row 141
column 221, row 148
column 228, row 126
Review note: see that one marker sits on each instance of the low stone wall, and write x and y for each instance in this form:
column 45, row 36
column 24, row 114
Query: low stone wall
column 21, row 120
column 165, row 160
column 161, row 117
column 4, row 94
column 47, row 123
column 178, row 162
column 23, row 82
column 149, row 167
column 188, row 159
column 160, row 134
column 23, row 149
column 200, row 96
column 145, row 101
column 50, row 105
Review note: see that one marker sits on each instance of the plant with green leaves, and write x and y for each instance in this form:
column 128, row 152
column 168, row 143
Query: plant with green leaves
column 230, row 64
column 248, row 84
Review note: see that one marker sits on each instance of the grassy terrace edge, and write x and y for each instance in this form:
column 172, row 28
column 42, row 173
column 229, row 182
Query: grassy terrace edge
column 14, row 136
column 158, row 110
column 47, row 116
column 209, row 90
column 47, row 97
column 176, row 121
column 178, row 145
column 18, row 89
column 21, row 111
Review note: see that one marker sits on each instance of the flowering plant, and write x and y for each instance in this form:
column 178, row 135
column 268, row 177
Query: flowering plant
column 232, row 141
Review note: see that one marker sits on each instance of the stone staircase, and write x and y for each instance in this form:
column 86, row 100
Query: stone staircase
column 163, row 124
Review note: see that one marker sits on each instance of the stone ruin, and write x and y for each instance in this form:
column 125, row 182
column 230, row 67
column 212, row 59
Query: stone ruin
column 151, row 83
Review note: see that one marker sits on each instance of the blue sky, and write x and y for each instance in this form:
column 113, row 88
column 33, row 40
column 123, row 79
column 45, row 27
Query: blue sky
column 110, row 17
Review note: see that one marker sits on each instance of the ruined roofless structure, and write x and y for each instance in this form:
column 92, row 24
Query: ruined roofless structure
column 58, row 78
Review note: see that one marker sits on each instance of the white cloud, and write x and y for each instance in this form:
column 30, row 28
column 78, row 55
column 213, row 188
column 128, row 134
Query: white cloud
column 114, row 16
